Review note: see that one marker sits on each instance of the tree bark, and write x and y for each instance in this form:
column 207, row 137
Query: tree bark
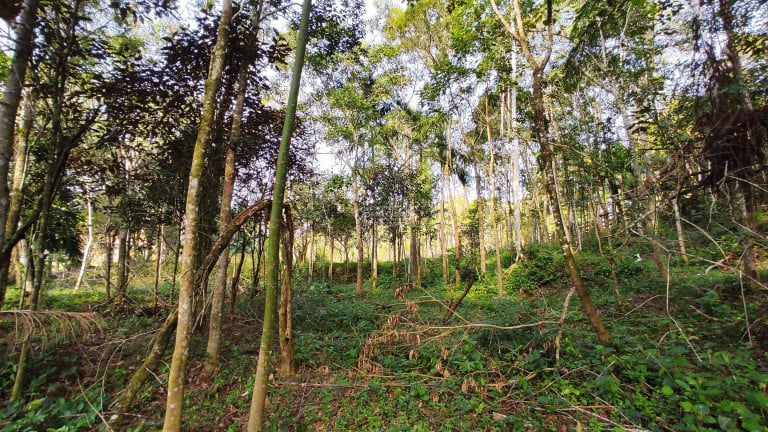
column 122, row 262
column 9, row 106
column 480, row 219
column 213, row 348
column 256, row 414
column 177, row 376
column 158, row 262
column 359, row 236
column 285, row 315
column 88, row 242
column 126, row 397
column 17, row 190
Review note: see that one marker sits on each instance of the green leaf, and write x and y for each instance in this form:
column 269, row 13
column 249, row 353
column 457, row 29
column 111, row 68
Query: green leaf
column 758, row 399
column 726, row 423
column 667, row 391
column 701, row 409
column 686, row 406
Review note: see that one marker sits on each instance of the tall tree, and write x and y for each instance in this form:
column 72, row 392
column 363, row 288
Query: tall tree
column 256, row 414
column 176, row 379
column 514, row 24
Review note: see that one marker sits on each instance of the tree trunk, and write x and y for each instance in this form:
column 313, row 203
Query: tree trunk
column 9, row 106
column 374, row 257
column 236, row 278
column 177, row 376
column 330, row 259
column 442, row 235
column 679, row 228
column 548, row 157
column 122, row 262
column 415, row 260
column 358, row 235
column 480, row 220
column 285, row 315
column 17, row 190
column 213, row 348
column 256, row 414
column 88, row 242
column 311, row 258
column 158, row 261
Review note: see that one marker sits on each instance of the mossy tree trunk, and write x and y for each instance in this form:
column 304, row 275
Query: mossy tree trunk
column 176, row 384
column 213, row 348
column 9, row 106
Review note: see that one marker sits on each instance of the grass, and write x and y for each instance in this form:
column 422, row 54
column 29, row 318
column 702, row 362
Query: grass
column 373, row 362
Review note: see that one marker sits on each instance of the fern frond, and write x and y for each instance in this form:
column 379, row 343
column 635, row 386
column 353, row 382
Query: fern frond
column 48, row 325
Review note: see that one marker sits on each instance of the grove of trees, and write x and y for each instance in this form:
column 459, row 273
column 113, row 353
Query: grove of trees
column 436, row 204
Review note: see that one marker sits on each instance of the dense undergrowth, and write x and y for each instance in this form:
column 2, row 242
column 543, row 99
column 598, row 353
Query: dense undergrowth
column 686, row 354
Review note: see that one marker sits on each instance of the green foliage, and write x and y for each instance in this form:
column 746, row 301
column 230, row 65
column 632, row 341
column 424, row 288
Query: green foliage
column 543, row 265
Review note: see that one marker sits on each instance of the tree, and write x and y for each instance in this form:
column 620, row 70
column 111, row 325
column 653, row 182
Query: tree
column 256, row 414
column 176, row 384
column 517, row 29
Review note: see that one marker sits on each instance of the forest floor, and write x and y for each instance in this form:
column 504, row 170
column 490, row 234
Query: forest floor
column 686, row 354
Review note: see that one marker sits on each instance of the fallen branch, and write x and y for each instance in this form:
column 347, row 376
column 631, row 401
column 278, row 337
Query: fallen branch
column 454, row 304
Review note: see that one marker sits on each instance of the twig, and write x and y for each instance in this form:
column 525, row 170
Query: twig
column 562, row 321
column 711, row 318
column 98, row 413
column 604, row 419
column 641, row 305
column 746, row 313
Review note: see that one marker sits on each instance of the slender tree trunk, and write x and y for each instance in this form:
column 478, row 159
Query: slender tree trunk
column 442, row 235
column 236, row 277
column 492, row 201
column 285, row 315
column 359, row 236
column 9, row 106
column 415, row 260
column 122, row 259
column 256, row 414
column 17, row 190
column 330, row 259
column 480, row 220
column 88, row 242
column 374, row 257
column 548, row 157
column 679, row 228
column 176, row 379
column 176, row 258
column 213, row 348
column 108, row 264
column 158, row 261
column 311, row 259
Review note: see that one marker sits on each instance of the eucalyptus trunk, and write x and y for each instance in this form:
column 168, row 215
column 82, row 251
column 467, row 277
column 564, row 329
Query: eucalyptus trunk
column 177, row 376
column 256, row 414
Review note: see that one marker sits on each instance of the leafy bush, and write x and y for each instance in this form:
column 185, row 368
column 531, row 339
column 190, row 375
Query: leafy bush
column 543, row 265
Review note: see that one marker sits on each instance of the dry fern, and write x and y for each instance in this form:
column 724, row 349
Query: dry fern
column 47, row 325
